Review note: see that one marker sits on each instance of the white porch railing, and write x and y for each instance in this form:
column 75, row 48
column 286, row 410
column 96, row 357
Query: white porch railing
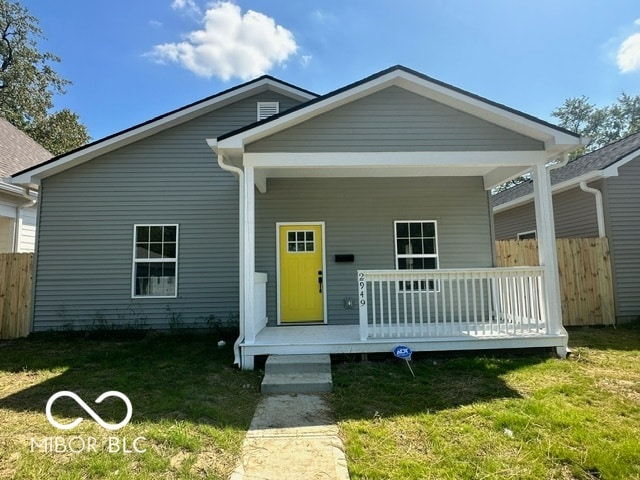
column 452, row 302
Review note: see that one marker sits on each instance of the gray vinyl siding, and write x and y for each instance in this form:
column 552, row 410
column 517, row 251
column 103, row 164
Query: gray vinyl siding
column 516, row 220
column 623, row 218
column 359, row 219
column 87, row 214
column 394, row 120
column 574, row 215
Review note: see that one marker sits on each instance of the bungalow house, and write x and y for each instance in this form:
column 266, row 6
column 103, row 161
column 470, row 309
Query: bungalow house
column 348, row 222
column 17, row 205
column 596, row 195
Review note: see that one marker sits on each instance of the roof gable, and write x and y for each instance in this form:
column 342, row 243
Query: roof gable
column 556, row 140
column 394, row 119
column 158, row 124
column 603, row 162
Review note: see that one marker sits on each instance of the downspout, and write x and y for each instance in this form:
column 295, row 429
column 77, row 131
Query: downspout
column 18, row 219
column 599, row 207
column 25, row 194
column 240, row 174
column 560, row 164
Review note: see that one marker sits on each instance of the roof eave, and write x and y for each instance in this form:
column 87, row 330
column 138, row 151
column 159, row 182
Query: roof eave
column 556, row 188
column 33, row 175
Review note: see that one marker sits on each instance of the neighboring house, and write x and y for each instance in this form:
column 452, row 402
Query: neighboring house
column 596, row 195
column 348, row 222
column 17, row 205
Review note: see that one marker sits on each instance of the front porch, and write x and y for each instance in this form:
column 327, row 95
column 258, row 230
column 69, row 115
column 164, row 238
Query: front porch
column 345, row 339
column 446, row 309
column 396, row 170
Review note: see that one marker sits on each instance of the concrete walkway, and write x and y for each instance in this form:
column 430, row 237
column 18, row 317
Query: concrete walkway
column 292, row 437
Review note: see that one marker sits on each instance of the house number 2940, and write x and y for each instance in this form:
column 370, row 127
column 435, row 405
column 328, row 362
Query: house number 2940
column 362, row 286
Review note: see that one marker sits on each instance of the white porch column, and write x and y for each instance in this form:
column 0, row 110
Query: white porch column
column 547, row 253
column 249, row 255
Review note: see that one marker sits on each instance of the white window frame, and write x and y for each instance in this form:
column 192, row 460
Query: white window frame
column 268, row 105
column 522, row 234
column 398, row 255
column 135, row 260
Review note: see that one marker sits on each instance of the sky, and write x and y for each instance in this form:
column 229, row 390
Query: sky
column 132, row 60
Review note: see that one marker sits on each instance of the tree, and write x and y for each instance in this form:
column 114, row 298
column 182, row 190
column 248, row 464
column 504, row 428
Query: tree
column 28, row 83
column 602, row 125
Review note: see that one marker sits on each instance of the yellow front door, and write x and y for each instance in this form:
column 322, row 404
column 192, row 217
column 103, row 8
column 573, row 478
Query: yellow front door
column 301, row 275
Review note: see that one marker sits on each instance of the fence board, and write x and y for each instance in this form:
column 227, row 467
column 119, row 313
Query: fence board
column 15, row 294
column 584, row 266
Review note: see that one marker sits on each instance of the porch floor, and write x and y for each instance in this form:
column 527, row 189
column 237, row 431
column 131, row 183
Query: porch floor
column 311, row 339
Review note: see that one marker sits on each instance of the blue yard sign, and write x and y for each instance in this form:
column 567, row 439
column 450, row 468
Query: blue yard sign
column 404, row 352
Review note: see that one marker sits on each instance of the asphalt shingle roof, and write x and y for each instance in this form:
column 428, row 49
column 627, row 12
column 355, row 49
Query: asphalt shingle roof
column 18, row 150
column 597, row 160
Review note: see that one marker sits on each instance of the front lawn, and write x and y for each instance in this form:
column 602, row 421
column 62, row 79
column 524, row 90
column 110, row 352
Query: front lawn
column 190, row 407
column 484, row 416
column 501, row 416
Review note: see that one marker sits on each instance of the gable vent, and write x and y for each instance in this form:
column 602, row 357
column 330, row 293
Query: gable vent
column 266, row 109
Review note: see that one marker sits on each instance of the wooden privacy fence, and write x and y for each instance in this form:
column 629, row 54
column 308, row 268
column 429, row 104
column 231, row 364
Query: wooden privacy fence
column 15, row 294
column 585, row 276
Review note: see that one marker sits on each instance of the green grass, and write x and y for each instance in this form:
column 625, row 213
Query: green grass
column 482, row 416
column 490, row 416
column 189, row 404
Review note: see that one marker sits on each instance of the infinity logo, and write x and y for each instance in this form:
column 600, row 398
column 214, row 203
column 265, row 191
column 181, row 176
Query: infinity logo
column 89, row 410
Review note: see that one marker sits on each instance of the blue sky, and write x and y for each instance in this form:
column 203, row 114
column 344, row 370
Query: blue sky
column 132, row 60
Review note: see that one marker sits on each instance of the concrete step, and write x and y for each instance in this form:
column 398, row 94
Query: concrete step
column 297, row 374
column 298, row 364
column 280, row 383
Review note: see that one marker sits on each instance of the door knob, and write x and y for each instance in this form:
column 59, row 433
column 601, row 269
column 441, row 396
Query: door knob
column 320, row 280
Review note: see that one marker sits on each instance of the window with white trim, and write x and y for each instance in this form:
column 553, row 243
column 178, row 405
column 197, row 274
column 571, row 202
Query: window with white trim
column 416, row 248
column 267, row 109
column 155, row 261
column 526, row 235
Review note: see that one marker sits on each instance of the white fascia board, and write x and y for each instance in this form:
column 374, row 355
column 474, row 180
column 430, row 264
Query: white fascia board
column 135, row 134
column 501, row 175
column 612, row 170
column 556, row 188
column 555, row 140
column 299, row 116
column 392, row 159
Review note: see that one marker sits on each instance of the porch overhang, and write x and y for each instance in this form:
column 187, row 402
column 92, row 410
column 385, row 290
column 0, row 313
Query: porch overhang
column 495, row 168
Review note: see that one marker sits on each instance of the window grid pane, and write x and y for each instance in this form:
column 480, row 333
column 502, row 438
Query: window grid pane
column 301, row 241
column 416, row 245
column 155, row 260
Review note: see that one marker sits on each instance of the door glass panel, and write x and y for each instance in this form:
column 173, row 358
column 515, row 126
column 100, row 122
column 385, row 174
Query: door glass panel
column 301, row 241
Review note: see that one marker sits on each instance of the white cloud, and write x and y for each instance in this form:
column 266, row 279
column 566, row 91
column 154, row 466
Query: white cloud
column 188, row 6
column 230, row 45
column 628, row 57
